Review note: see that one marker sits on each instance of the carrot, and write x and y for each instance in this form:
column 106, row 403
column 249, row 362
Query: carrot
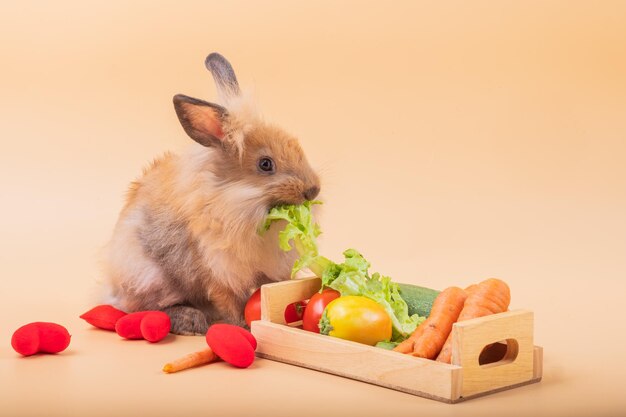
column 406, row 346
column 444, row 314
column 491, row 296
column 429, row 337
column 189, row 361
column 471, row 288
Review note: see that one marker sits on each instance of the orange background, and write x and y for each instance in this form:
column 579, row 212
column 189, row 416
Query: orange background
column 456, row 142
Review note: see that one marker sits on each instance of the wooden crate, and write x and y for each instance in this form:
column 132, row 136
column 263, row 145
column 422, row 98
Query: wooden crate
column 508, row 336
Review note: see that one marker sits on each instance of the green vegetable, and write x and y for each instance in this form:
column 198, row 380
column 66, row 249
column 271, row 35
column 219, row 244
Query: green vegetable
column 303, row 231
column 350, row 277
column 387, row 345
column 418, row 299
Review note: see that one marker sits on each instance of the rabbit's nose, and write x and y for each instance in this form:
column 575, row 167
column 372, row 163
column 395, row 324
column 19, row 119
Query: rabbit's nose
column 311, row 192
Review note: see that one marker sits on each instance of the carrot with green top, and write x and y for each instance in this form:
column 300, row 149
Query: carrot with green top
column 491, row 296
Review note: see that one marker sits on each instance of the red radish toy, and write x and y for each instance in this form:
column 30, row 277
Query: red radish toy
column 157, row 325
column 233, row 344
column 220, row 337
column 103, row 316
column 128, row 326
column 41, row 337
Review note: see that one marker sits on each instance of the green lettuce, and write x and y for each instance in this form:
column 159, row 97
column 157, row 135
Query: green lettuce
column 350, row 277
column 303, row 231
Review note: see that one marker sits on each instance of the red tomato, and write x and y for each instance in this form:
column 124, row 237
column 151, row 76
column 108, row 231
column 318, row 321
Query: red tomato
column 253, row 308
column 252, row 311
column 295, row 311
column 315, row 308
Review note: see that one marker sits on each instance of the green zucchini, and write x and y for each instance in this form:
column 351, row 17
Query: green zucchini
column 387, row 345
column 419, row 299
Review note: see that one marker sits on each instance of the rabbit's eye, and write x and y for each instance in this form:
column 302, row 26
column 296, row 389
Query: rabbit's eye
column 266, row 164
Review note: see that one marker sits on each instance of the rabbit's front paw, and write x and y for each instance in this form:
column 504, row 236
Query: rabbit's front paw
column 187, row 321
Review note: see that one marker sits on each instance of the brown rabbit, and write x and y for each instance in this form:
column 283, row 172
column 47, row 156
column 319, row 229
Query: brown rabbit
column 186, row 241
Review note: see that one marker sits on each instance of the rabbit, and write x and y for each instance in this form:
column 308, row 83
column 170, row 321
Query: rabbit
column 186, row 241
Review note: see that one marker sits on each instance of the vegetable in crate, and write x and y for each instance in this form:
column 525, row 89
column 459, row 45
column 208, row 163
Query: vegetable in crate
column 252, row 311
column 295, row 311
column 419, row 299
column 315, row 309
column 356, row 318
column 428, row 339
column 491, row 296
column 350, row 277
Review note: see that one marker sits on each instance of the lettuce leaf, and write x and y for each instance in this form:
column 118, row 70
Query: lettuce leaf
column 350, row 277
column 303, row 231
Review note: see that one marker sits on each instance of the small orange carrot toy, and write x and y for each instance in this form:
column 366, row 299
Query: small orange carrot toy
column 491, row 296
column 192, row 360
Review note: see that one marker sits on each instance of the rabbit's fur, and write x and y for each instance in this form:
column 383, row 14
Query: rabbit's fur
column 187, row 240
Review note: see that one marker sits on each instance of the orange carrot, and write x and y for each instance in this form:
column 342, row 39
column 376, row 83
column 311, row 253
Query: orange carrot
column 491, row 296
column 406, row 346
column 189, row 361
column 444, row 314
column 429, row 337
column 471, row 288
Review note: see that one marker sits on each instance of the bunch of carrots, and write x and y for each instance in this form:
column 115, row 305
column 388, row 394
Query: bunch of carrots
column 433, row 338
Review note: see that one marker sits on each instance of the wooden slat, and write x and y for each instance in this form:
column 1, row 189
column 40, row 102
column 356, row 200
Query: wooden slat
column 353, row 360
column 470, row 337
column 277, row 296
column 538, row 363
column 537, row 375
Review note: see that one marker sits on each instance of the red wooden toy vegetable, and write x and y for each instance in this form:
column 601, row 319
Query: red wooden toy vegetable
column 232, row 343
column 40, row 337
column 129, row 326
column 103, row 316
column 246, row 334
column 155, row 326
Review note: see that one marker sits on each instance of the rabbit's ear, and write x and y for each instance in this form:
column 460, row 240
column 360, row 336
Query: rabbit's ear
column 201, row 120
column 223, row 74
